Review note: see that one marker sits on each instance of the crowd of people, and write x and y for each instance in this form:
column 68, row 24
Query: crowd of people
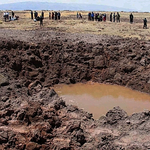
column 96, row 16
column 102, row 17
column 52, row 15
column 114, row 17
column 36, row 17
column 9, row 17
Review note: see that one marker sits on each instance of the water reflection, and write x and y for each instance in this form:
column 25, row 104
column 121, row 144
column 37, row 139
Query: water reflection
column 99, row 98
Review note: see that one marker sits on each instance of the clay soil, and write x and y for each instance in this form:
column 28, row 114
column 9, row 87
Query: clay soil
column 34, row 58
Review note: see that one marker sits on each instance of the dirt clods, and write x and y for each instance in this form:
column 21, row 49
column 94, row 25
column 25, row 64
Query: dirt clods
column 33, row 116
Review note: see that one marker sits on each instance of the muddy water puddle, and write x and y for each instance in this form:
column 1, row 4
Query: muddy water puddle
column 98, row 99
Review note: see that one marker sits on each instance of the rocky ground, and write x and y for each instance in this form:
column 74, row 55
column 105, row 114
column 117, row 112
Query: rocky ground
column 32, row 116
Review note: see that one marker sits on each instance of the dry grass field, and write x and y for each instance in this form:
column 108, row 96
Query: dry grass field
column 69, row 23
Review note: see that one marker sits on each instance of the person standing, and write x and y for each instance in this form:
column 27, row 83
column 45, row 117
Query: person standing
column 77, row 15
column 42, row 14
column 13, row 14
column 96, row 17
column 145, row 23
column 49, row 15
column 92, row 16
column 58, row 15
column 35, row 15
column 53, row 15
column 41, row 20
column 104, row 17
column 111, row 17
column 114, row 17
column 131, row 18
column 101, row 17
column 31, row 14
column 7, row 15
column 118, row 17
column 89, row 16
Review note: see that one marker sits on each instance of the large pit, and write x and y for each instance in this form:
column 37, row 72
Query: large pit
column 33, row 116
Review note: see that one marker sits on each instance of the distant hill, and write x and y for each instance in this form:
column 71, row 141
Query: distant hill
column 58, row 6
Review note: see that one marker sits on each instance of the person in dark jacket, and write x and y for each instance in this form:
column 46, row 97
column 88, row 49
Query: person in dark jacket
column 42, row 14
column 35, row 15
column 31, row 14
column 114, row 17
column 111, row 17
column 49, row 15
column 55, row 15
column 13, row 14
column 89, row 16
column 118, row 17
column 41, row 20
column 100, row 17
column 58, row 14
column 145, row 23
column 131, row 18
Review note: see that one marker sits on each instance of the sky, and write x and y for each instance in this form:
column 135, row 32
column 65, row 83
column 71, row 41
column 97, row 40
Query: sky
column 140, row 5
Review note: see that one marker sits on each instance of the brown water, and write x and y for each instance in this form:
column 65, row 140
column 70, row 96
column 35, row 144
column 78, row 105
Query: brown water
column 98, row 99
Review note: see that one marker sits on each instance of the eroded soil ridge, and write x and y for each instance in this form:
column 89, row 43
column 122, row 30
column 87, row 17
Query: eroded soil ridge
column 118, row 61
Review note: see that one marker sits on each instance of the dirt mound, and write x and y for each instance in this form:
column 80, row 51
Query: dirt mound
column 42, row 120
column 117, row 61
column 32, row 116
